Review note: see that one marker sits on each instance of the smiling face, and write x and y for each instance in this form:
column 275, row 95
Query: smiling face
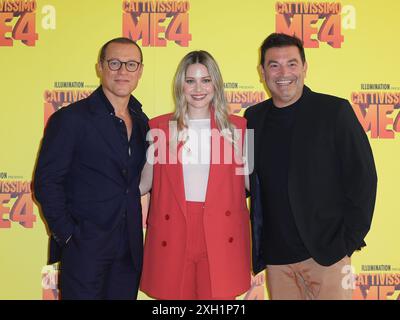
column 120, row 83
column 198, row 89
column 284, row 74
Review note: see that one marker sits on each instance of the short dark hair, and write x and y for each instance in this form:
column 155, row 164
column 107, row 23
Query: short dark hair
column 103, row 49
column 281, row 40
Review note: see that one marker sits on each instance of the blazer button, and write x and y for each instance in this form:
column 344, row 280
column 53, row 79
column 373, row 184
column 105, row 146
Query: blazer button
column 127, row 191
column 164, row 243
column 124, row 172
column 228, row 213
column 230, row 240
column 166, row 217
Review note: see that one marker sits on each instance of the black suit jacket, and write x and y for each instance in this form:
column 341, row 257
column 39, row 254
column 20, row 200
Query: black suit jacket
column 84, row 180
column 331, row 180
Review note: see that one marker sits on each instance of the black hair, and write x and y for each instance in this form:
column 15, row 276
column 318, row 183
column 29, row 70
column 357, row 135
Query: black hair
column 103, row 49
column 281, row 40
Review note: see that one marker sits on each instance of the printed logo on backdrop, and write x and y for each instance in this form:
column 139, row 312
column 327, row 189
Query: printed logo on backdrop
column 377, row 282
column 377, row 106
column 240, row 97
column 63, row 94
column 156, row 23
column 16, row 204
column 315, row 22
column 18, row 21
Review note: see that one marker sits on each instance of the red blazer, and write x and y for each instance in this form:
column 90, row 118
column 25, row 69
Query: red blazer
column 226, row 225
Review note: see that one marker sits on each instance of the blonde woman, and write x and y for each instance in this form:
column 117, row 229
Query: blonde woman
column 197, row 241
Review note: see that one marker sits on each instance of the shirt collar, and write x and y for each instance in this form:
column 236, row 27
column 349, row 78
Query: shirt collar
column 134, row 105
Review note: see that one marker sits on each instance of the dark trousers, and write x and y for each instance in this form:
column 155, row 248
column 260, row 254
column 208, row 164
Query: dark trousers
column 98, row 265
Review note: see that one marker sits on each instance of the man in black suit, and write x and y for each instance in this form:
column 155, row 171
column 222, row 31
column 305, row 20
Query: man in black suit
column 313, row 186
column 87, row 182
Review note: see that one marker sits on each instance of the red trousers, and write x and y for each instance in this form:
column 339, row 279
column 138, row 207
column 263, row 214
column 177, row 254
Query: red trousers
column 196, row 277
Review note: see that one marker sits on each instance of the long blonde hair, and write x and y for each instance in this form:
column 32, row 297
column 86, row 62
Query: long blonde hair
column 219, row 103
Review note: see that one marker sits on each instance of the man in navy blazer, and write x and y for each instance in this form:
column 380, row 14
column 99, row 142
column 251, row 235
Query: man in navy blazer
column 87, row 182
column 314, row 181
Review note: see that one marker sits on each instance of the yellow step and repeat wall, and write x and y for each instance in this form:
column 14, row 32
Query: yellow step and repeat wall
column 48, row 51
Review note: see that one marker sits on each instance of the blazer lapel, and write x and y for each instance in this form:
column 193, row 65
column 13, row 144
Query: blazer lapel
column 175, row 169
column 105, row 126
column 303, row 127
column 213, row 177
column 259, row 126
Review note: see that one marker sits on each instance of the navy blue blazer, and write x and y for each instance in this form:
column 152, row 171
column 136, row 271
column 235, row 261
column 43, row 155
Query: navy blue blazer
column 84, row 178
column 332, row 178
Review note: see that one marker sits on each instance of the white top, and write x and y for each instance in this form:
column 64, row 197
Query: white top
column 196, row 156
